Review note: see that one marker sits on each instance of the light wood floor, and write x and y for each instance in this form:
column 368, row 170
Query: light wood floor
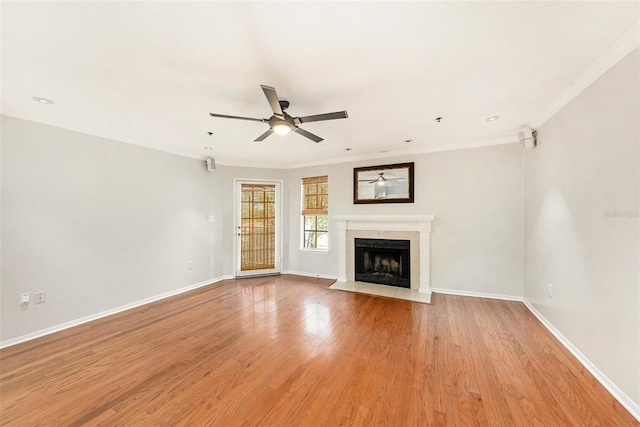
column 287, row 351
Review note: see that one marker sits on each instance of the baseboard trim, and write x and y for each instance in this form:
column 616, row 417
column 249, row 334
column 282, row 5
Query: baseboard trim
column 618, row 394
column 476, row 294
column 90, row 318
column 305, row 274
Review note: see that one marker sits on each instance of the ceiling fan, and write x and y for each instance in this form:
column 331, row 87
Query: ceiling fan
column 281, row 122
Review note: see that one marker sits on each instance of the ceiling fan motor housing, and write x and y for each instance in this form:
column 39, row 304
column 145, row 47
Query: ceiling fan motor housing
column 287, row 121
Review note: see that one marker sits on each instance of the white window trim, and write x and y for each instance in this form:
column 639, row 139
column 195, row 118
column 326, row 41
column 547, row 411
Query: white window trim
column 301, row 240
column 315, row 250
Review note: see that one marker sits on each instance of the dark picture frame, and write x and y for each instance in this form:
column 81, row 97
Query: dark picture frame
column 383, row 184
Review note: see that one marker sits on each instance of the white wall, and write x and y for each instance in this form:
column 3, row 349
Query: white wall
column 476, row 197
column 581, row 228
column 313, row 263
column 98, row 224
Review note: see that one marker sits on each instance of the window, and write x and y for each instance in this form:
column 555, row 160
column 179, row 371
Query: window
column 315, row 210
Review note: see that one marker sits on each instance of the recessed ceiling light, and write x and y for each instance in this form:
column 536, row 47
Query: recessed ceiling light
column 208, row 148
column 42, row 100
column 493, row 118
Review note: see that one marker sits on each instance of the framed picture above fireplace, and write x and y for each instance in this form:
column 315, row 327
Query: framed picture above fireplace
column 383, row 184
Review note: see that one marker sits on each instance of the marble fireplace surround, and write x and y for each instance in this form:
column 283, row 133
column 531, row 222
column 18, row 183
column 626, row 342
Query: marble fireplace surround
column 415, row 228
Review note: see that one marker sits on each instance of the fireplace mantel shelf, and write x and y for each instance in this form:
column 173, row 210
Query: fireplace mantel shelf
column 384, row 222
column 383, row 218
column 419, row 223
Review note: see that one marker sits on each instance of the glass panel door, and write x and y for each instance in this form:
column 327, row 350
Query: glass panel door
column 258, row 241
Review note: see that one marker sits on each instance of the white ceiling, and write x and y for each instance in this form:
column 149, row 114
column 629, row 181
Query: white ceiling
column 149, row 73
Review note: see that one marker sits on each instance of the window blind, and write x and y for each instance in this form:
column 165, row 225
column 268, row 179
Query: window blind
column 315, row 195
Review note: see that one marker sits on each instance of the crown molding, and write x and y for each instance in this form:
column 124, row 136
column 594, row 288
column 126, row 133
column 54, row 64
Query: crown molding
column 45, row 120
column 375, row 156
column 372, row 156
column 611, row 57
column 422, row 150
column 252, row 165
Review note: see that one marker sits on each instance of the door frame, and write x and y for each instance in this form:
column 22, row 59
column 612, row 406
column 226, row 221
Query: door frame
column 237, row 182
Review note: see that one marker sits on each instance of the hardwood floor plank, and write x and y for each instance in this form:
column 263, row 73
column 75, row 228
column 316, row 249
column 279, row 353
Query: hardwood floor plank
column 287, row 351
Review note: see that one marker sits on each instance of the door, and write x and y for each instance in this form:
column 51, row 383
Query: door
column 258, row 228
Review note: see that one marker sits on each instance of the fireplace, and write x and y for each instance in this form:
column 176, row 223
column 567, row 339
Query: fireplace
column 383, row 261
column 415, row 228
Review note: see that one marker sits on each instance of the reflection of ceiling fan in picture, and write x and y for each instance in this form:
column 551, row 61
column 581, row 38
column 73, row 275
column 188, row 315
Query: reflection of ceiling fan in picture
column 281, row 122
column 380, row 180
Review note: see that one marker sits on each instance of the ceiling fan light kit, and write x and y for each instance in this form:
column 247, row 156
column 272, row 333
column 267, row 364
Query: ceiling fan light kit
column 281, row 122
column 282, row 128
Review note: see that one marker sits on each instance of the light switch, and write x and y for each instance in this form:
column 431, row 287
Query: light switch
column 24, row 298
column 211, row 218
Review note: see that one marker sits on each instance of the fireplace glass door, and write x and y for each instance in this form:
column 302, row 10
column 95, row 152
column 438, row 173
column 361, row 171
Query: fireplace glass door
column 383, row 261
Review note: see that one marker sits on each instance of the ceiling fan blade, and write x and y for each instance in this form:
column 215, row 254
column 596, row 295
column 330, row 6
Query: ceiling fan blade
column 224, row 116
column 272, row 97
column 309, row 135
column 263, row 136
column 320, row 117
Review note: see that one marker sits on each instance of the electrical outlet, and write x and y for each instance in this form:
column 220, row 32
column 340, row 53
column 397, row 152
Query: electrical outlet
column 189, row 265
column 40, row 297
column 550, row 290
column 25, row 297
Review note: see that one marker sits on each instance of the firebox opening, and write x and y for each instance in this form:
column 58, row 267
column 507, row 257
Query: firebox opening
column 383, row 261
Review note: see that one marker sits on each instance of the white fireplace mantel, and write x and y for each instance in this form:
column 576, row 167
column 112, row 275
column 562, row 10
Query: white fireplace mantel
column 419, row 223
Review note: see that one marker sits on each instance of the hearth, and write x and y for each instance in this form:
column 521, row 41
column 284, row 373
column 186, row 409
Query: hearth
column 383, row 261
